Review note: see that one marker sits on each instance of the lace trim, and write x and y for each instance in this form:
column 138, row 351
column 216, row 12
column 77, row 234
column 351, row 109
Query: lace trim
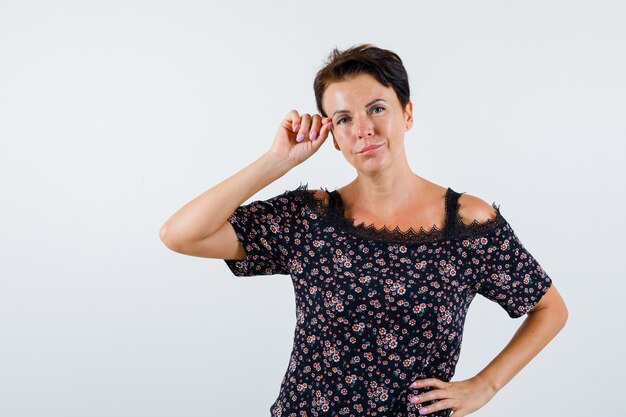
column 459, row 230
column 476, row 228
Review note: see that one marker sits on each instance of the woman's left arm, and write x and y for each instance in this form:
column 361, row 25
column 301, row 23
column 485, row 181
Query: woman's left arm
column 543, row 322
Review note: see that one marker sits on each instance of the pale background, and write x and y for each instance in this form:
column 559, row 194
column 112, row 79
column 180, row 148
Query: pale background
column 115, row 114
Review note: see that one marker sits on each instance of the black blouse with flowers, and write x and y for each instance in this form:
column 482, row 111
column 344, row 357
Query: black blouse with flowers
column 375, row 308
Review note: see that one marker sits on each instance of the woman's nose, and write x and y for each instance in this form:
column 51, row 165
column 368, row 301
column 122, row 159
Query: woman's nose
column 364, row 127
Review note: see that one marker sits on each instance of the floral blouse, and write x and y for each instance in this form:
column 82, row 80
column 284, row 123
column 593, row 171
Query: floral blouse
column 377, row 309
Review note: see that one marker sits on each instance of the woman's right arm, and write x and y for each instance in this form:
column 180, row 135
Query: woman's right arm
column 201, row 227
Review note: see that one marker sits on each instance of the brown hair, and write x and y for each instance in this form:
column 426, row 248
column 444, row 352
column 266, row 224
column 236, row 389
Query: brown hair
column 384, row 65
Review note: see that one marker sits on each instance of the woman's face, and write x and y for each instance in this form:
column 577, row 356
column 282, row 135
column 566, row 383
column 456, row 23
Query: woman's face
column 366, row 113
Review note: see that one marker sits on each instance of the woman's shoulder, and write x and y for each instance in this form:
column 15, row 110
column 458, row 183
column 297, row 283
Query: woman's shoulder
column 317, row 199
column 473, row 209
column 470, row 209
column 304, row 190
column 320, row 195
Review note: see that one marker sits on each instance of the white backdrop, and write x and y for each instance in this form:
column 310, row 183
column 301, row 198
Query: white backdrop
column 115, row 114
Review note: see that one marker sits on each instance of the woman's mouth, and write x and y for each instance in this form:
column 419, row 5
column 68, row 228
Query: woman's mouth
column 370, row 149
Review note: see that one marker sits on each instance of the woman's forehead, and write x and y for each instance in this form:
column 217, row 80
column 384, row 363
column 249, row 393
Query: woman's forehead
column 357, row 91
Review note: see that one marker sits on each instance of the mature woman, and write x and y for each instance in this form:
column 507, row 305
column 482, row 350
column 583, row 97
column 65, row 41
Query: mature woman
column 384, row 268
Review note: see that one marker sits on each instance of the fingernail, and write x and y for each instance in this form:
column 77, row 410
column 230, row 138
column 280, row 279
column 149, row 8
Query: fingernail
column 313, row 134
column 300, row 137
column 296, row 127
column 413, row 385
column 415, row 399
column 422, row 410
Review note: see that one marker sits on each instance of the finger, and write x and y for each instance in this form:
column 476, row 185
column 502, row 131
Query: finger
column 428, row 382
column 429, row 396
column 321, row 138
column 294, row 118
column 316, row 123
column 327, row 127
column 305, row 123
column 438, row 406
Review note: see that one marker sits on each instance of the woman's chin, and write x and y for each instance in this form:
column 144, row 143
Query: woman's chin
column 373, row 164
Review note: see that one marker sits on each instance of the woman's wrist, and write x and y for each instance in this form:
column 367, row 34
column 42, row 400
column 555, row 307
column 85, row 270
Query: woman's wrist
column 487, row 386
column 276, row 163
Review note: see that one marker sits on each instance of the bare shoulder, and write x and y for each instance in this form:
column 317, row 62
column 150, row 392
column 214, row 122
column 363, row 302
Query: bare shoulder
column 475, row 208
column 320, row 195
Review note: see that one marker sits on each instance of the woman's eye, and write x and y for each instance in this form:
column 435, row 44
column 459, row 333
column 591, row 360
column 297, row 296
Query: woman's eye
column 377, row 107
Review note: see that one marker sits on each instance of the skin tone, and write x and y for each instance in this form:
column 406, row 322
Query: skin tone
column 386, row 192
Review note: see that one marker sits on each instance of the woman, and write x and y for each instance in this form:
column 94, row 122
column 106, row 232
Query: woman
column 383, row 268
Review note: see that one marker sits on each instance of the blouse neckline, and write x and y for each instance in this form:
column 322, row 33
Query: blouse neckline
column 384, row 233
column 332, row 212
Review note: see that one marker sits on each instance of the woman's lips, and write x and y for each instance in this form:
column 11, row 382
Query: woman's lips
column 369, row 149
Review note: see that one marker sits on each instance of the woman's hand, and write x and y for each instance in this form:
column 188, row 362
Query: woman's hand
column 293, row 143
column 463, row 397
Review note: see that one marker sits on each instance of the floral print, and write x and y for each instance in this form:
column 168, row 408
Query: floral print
column 377, row 309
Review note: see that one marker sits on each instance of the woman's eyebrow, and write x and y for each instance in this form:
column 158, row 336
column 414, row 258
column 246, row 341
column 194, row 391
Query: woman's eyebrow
column 367, row 105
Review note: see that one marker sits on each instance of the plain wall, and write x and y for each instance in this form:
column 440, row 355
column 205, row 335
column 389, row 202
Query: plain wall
column 115, row 114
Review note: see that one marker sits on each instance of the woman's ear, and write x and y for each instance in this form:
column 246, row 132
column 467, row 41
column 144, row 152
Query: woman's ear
column 408, row 114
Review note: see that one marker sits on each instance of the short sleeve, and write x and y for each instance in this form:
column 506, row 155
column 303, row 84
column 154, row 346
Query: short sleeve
column 264, row 229
column 505, row 272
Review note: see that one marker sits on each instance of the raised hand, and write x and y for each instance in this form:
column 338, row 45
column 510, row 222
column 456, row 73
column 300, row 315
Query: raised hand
column 299, row 137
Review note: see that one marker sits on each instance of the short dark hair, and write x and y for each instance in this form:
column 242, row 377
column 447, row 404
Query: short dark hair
column 384, row 65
